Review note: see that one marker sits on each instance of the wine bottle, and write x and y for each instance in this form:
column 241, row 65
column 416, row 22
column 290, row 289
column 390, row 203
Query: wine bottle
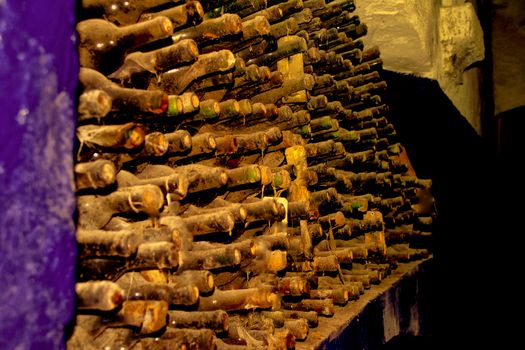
column 147, row 231
column 211, row 29
column 294, row 286
column 344, row 18
column 96, row 211
column 128, row 136
column 289, row 48
column 200, row 177
column 298, row 327
column 210, row 223
column 343, row 255
column 136, row 288
column 93, row 104
column 148, row 316
column 191, row 13
column 272, row 14
column 102, row 45
column 156, row 61
column 175, row 186
column 322, row 307
column 183, row 338
column 306, row 82
column 155, row 145
column 267, row 262
column 209, row 259
column 276, row 80
column 314, row 5
column 325, row 150
column 313, row 25
column 92, row 175
column 310, row 316
column 202, row 145
column 98, row 295
column 255, row 27
column 119, row 12
column 284, row 28
column 151, row 255
column 125, row 99
column 202, row 279
column 348, row 5
column 214, row 320
column 355, row 31
column 99, row 243
column 241, row 299
column 353, row 288
column 177, row 80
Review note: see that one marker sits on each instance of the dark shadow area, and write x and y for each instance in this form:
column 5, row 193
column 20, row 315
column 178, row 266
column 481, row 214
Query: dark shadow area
column 405, row 342
column 477, row 235
column 511, row 124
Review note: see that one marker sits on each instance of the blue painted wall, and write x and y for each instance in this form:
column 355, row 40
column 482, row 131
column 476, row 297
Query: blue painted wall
column 38, row 69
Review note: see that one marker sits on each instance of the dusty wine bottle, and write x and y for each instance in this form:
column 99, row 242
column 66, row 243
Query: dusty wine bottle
column 175, row 185
column 191, row 13
column 148, row 316
column 98, row 295
column 128, row 136
column 102, row 45
column 93, row 104
column 138, row 290
column 183, row 338
column 177, row 80
column 120, row 12
column 211, row 222
column 99, row 243
column 200, row 177
column 97, row 174
column 211, row 29
column 156, row 61
column 125, row 99
column 306, row 82
column 209, row 259
column 241, row 299
column 322, row 307
column 96, row 211
column 272, row 14
column 289, row 48
column 202, row 279
column 215, row 320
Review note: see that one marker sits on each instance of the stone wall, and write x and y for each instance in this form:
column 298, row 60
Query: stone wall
column 431, row 39
column 508, row 50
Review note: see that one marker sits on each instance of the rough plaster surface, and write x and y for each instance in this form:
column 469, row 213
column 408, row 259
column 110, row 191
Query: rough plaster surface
column 508, row 49
column 461, row 45
column 431, row 39
column 37, row 244
column 403, row 31
column 460, row 41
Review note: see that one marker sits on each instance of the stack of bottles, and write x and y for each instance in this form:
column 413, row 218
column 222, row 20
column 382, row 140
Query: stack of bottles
column 237, row 176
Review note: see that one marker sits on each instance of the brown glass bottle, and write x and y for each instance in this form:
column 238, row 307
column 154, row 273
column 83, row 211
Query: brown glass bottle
column 125, row 99
column 156, row 61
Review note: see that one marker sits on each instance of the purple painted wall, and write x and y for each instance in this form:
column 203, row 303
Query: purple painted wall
column 38, row 69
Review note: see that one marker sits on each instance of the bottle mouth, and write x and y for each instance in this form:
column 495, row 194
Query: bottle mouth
column 174, row 105
column 166, row 26
column 135, row 136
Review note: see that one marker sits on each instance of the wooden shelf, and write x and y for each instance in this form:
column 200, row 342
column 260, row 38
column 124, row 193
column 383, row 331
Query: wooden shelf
column 396, row 306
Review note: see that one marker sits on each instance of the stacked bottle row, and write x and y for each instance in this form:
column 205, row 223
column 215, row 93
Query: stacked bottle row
column 236, row 174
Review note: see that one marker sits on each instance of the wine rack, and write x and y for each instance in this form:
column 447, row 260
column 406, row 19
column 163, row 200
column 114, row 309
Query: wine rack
column 237, row 175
